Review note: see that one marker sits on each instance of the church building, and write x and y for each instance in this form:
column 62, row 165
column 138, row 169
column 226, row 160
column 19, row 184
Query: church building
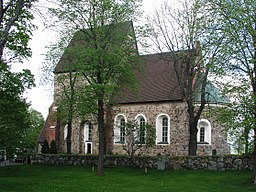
column 157, row 101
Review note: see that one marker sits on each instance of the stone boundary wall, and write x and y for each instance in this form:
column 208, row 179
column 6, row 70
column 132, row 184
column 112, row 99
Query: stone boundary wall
column 230, row 162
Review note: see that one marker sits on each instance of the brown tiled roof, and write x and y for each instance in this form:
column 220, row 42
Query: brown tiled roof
column 156, row 81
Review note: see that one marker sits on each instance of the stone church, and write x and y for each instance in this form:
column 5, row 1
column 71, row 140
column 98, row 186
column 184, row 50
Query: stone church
column 158, row 101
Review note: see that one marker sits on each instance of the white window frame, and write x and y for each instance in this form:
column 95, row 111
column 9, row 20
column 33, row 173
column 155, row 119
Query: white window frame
column 65, row 134
column 87, row 140
column 117, row 131
column 207, row 131
column 137, row 120
column 159, row 129
column 86, row 131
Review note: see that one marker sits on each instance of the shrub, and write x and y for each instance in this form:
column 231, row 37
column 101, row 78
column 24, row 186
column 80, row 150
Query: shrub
column 53, row 147
column 45, row 147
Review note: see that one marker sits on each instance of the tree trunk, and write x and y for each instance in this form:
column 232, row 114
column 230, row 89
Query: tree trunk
column 254, row 102
column 254, row 158
column 100, row 168
column 246, row 150
column 108, row 130
column 5, row 29
column 57, row 133
column 68, row 141
column 192, row 148
column 254, row 142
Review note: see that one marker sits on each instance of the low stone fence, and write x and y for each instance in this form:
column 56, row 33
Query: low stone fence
column 230, row 162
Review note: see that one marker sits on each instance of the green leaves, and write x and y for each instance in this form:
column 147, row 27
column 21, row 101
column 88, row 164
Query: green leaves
column 16, row 29
column 30, row 138
column 101, row 53
column 235, row 21
column 14, row 115
column 14, row 84
column 137, row 136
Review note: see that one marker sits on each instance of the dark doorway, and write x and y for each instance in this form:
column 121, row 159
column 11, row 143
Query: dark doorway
column 89, row 148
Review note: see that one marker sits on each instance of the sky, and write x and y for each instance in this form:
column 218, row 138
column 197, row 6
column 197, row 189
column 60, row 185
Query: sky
column 41, row 96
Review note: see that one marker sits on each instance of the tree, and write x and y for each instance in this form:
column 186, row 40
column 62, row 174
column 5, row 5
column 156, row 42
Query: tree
column 239, row 121
column 15, row 29
column 30, row 138
column 234, row 22
column 135, row 136
column 45, row 147
column 53, row 147
column 179, row 30
column 103, row 53
column 67, row 107
column 14, row 114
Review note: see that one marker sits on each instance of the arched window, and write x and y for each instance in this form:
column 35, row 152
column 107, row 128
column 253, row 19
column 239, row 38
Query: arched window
column 204, row 132
column 119, row 129
column 122, row 130
column 163, row 129
column 141, row 129
column 88, row 135
column 88, row 131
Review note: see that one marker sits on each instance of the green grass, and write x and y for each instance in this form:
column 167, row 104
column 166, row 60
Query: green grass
column 70, row 178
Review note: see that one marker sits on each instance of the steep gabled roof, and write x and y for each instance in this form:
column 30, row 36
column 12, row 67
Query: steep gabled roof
column 156, row 81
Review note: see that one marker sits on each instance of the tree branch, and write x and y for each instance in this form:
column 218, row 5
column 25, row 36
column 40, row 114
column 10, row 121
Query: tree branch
column 9, row 24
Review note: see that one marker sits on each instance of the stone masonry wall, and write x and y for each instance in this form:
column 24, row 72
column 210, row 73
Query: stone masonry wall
column 218, row 136
column 179, row 130
column 170, row 163
column 179, row 134
column 178, row 125
column 78, row 144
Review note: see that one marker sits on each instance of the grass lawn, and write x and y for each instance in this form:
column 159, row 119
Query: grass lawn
column 70, row 178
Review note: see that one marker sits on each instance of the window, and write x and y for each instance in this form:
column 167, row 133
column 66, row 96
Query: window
column 122, row 130
column 88, row 127
column 65, row 132
column 204, row 132
column 88, row 135
column 119, row 129
column 162, row 129
column 142, row 129
column 165, row 130
column 140, row 134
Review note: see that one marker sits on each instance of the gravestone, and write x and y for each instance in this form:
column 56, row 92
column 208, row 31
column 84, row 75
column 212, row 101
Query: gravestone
column 160, row 165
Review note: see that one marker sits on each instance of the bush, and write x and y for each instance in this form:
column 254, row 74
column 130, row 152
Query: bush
column 45, row 147
column 53, row 147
